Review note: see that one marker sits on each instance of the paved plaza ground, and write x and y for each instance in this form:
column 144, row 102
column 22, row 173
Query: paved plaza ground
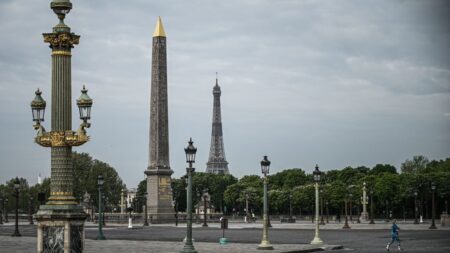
column 244, row 238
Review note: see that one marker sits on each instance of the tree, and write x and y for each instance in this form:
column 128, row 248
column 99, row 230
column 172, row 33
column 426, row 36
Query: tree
column 86, row 172
column 383, row 168
column 288, row 179
column 417, row 164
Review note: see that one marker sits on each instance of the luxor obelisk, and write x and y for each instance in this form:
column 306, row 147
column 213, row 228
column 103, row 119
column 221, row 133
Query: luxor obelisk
column 159, row 200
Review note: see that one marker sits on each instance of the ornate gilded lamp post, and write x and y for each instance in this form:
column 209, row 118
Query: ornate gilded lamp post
column 100, row 182
column 316, row 174
column 433, row 211
column 265, row 244
column 16, row 194
column 205, row 202
column 190, row 151
column 145, row 210
column 61, row 219
column 416, row 209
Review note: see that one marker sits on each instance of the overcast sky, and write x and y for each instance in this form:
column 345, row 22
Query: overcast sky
column 338, row 83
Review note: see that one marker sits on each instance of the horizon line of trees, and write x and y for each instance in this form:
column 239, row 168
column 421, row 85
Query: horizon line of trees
column 392, row 191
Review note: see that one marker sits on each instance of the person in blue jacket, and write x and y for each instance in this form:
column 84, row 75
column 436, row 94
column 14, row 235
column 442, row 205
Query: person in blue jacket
column 394, row 235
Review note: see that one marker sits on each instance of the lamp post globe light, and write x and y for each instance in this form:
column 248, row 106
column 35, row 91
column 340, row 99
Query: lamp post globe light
column 16, row 195
column 265, row 244
column 61, row 217
column 316, row 174
column 145, row 209
column 433, row 208
column 416, row 221
column 190, row 151
column 100, row 182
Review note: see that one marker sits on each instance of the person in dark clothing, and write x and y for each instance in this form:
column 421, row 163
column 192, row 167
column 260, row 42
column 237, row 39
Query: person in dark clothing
column 394, row 236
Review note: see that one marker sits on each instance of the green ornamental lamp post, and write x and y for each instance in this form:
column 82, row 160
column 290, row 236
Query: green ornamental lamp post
column 16, row 194
column 61, row 219
column 433, row 207
column 371, row 208
column 416, row 221
column 265, row 244
column 145, row 210
column 205, row 202
column 30, row 211
column 316, row 174
column 322, row 222
column 1, row 210
column 190, row 151
column 100, row 182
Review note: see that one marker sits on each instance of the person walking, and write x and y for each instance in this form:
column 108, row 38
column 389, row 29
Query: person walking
column 394, row 235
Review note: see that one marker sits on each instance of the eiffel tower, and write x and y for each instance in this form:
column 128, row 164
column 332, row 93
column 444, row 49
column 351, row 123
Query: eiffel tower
column 217, row 162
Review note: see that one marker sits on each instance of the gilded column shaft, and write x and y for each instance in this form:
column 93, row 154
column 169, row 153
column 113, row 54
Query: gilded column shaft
column 61, row 157
column 61, row 91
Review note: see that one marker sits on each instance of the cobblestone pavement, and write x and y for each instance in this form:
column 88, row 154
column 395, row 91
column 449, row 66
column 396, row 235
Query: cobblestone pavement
column 242, row 237
column 28, row 244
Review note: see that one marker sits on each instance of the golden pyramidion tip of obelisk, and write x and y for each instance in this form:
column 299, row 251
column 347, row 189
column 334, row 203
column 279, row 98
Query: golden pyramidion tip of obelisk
column 159, row 29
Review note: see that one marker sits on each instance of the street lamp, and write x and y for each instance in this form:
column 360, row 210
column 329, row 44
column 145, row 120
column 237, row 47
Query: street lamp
column 145, row 211
column 1, row 210
column 197, row 210
column 247, row 214
column 316, row 174
column 416, row 221
column 433, row 211
column 100, row 182
column 346, row 226
column 265, row 244
column 321, row 207
column 290, row 205
column 371, row 207
column 205, row 196
column 5, row 211
column 61, row 212
column 30, row 211
column 190, row 151
column 16, row 194
column 350, row 195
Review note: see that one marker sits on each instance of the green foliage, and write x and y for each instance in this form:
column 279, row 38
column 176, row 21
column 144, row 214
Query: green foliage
column 383, row 168
column 215, row 184
column 288, row 179
column 417, row 164
column 86, row 172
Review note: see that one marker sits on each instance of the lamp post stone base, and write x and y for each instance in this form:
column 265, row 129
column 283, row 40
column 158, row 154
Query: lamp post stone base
column 265, row 246
column 60, row 228
column 365, row 216
column 316, row 240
